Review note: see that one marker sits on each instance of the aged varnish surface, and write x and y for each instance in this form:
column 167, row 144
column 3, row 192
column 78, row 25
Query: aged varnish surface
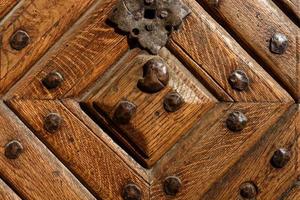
column 149, row 99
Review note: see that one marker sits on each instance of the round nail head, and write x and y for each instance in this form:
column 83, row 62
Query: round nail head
column 239, row 80
column 280, row 158
column 278, row 43
column 173, row 102
column 53, row 80
column 131, row 192
column 124, row 112
column 52, row 122
column 19, row 40
column 155, row 76
column 13, row 149
column 248, row 190
column 236, row 121
column 172, row 185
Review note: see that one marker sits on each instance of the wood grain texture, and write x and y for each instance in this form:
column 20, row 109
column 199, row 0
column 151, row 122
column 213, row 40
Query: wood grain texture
column 95, row 159
column 153, row 130
column 44, row 21
column 254, row 22
column 5, row 6
column 255, row 165
column 217, row 53
column 292, row 7
column 83, row 56
column 37, row 173
column 294, row 193
column 210, row 149
column 6, row 193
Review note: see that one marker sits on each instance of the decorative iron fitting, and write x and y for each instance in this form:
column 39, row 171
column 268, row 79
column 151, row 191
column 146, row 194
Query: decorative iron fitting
column 150, row 21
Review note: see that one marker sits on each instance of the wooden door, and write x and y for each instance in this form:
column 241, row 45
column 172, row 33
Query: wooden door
column 90, row 111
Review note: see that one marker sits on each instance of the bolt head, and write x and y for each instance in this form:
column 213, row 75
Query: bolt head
column 19, row 40
column 173, row 102
column 124, row 112
column 53, row 80
column 172, row 185
column 236, row 121
column 132, row 192
column 280, row 158
column 248, row 190
column 163, row 14
column 150, row 27
column 52, row 122
column 156, row 76
column 278, row 43
column 239, row 80
column 13, row 149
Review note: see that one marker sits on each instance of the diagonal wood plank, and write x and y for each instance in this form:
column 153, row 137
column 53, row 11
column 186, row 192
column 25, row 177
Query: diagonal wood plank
column 209, row 150
column 216, row 53
column 6, row 193
column 5, row 6
column 36, row 173
column 44, row 21
column 83, row 56
column 90, row 154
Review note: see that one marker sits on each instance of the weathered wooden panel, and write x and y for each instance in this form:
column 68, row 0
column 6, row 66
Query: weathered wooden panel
column 219, row 55
column 292, row 8
column 44, row 21
column 36, row 173
column 153, row 129
column 211, row 149
column 6, row 193
column 5, row 6
column 100, row 163
column 255, row 22
column 80, row 59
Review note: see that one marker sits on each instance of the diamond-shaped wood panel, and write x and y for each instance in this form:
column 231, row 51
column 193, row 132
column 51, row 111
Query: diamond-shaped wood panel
column 87, row 113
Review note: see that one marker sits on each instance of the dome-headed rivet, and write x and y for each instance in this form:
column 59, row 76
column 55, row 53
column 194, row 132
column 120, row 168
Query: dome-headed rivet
column 19, row 40
column 236, row 121
column 132, row 192
column 124, row 112
column 53, row 80
column 248, row 190
column 239, row 80
column 278, row 43
column 173, row 102
column 13, row 149
column 172, row 185
column 52, row 122
column 280, row 158
column 156, row 76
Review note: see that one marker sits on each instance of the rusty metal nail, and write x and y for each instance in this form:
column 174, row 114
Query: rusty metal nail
column 53, row 80
column 132, row 192
column 124, row 112
column 278, row 43
column 13, row 149
column 156, row 76
column 172, row 185
column 52, row 122
column 248, row 190
column 173, row 102
column 19, row 40
column 236, row 121
column 280, row 158
column 239, row 80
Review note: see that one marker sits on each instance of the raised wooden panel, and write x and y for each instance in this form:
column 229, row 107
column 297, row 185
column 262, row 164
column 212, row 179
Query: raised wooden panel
column 5, row 6
column 91, row 155
column 219, row 55
column 152, row 129
column 81, row 58
column 44, row 21
column 36, row 173
column 255, row 22
column 255, row 165
column 6, row 193
column 211, row 149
